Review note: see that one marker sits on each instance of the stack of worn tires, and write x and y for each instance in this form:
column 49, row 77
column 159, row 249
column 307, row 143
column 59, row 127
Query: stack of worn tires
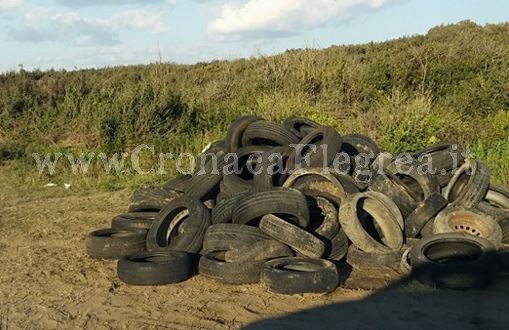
column 287, row 204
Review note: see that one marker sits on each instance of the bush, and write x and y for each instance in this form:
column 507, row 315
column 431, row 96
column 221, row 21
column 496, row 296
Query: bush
column 407, row 93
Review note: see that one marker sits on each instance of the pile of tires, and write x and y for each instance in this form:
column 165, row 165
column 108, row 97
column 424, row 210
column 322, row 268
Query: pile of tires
column 287, row 204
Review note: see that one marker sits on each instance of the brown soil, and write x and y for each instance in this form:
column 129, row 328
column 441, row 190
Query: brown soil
column 47, row 281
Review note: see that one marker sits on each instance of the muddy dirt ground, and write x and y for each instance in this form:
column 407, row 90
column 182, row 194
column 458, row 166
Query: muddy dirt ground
column 48, row 282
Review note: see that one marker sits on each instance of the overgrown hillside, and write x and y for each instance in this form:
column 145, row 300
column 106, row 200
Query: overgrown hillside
column 452, row 83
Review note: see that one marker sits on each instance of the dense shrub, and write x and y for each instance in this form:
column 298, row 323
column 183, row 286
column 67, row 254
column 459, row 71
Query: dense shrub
column 452, row 83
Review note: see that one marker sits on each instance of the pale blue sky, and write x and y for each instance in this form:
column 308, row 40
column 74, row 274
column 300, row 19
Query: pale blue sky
column 90, row 33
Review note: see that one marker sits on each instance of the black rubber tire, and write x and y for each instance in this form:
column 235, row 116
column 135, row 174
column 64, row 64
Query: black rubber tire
column 213, row 266
column 205, row 183
column 496, row 202
column 327, row 142
column 173, row 233
column 215, row 147
column 468, row 190
column 358, row 144
column 156, row 268
column 444, row 156
column 280, row 201
column 329, row 224
column 240, row 171
column 503, row 222
column 314, row 186
column 374, row 260
column 419, row 185
column 112, row 244
column 454, row 261
column 223, row 212
column 236, row 130
column 390, row 185
column 267, row 133
column 225, row 192
column 444, row 179
column 472, row 222
column 259, row 251
column 296, row 275
column 424, row 212
column 318, row 183
column 133, row 220
column 271, row 171
column 151, row 199
column 355, row 145
column 297, row 238
column 381, row 162
column 385, row 216
column 427, row 229
column 361, row 174
column 228, row 236
column 493, row 211
column 336, row 248
column 179, row 183
column 300, row 127
column 405, row 265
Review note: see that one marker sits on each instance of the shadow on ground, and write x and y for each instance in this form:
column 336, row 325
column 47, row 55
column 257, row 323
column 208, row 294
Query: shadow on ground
column 407, row 305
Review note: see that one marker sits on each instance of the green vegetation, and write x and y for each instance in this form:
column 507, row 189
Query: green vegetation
column 452, row 83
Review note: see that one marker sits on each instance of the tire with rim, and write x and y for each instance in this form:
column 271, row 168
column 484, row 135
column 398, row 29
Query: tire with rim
column 454, row 261
column 472, row 222
column 300, row 275
column 155, row 268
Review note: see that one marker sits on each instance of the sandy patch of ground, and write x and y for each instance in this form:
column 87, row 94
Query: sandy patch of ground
column 47, row 281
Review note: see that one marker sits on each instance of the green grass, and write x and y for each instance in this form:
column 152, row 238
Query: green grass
column 450, row 84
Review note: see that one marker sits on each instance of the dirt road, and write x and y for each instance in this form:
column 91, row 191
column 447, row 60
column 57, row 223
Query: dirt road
column 48, row 282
